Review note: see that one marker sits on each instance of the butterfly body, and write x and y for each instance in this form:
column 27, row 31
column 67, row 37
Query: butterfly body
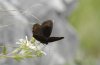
column 42, row 32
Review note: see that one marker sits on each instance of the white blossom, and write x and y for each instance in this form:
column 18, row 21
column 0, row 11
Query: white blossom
column 32, row 46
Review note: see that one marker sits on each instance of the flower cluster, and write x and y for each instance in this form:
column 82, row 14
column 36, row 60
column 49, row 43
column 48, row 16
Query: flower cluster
column 26, row 49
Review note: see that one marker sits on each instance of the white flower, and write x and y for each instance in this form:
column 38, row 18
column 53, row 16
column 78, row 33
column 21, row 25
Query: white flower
column 25, row 43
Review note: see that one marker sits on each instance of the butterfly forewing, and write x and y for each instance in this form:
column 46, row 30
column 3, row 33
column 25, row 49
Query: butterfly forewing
column 36, row 29
column 37, row 34
column 52, row 39
column 47, row 28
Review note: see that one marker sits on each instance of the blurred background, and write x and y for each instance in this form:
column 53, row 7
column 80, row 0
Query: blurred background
column 85, row 19
column 76, row 20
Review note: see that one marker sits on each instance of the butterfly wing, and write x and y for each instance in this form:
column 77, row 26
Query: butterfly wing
column 40, row 38
column 42, row 32
column 37, row 33
column 46, row 28
column 52, row 39
column 36, row 29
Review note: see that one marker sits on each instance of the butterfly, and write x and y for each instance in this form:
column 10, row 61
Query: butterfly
column 42, row 32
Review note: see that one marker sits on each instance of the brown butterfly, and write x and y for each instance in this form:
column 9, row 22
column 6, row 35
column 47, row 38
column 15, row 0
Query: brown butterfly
column 42, row 32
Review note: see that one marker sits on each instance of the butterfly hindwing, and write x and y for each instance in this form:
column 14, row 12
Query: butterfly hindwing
column 52, row 39
column 47, row 28
column 40, row 38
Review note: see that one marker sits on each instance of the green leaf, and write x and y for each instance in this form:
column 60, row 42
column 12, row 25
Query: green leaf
column 32, row 40
column 38, row 53
column 4, row 51
column 18, row 57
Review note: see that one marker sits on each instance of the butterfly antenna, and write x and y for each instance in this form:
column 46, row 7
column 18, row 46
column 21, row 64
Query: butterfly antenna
column 6, row 10
column 5, row 25
column 22, row 13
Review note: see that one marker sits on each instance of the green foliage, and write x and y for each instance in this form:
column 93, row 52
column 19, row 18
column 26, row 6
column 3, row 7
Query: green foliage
column 18, row 57
column 38, row 53
column 86, row 19
column 4, row 51
column 26, row 49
